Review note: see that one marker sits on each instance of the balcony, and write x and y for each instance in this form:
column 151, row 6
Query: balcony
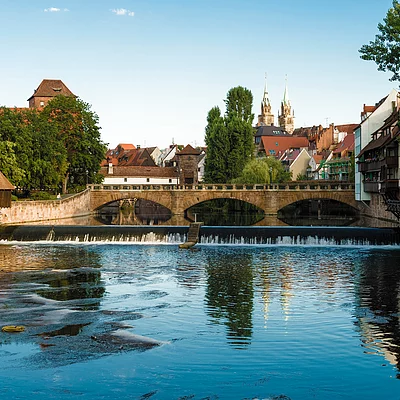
column 371, row 187
column 392, row 161
column 390, row 185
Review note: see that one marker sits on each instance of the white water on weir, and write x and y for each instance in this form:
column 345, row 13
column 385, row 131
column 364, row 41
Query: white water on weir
column 152, row 238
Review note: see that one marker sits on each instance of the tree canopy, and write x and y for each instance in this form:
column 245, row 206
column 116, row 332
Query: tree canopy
column 229, row 138
column 385, row 49
column 78, row 130
column 265, row 170
column 58, row 147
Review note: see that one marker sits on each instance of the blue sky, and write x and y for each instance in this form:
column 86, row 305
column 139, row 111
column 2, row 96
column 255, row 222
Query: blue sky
column 152, row 69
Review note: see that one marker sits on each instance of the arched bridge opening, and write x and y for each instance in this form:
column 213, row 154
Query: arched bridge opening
column 319, row 212
column 269, row 198
column 133, row 211
column 225, row 211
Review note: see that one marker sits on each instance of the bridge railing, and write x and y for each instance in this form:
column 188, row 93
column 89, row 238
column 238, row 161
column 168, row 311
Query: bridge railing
column 289, row 186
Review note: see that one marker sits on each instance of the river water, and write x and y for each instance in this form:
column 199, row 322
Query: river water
column 144, row 321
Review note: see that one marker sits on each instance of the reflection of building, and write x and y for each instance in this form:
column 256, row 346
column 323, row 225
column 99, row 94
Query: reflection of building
column 378, row 307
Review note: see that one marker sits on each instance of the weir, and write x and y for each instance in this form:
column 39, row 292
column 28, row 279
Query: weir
column 208, row 235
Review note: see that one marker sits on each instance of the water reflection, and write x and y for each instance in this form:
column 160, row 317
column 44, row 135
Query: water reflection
column 134, row 212
column 285, row 308
column 378, row 305
column 229, row 295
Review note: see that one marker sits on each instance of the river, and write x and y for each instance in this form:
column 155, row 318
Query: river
column 143, row 321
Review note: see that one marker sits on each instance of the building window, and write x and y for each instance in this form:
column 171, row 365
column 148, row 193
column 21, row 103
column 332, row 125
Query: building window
column 170, row 181
column 41, row 104
column 148, row 180
column 125, row 179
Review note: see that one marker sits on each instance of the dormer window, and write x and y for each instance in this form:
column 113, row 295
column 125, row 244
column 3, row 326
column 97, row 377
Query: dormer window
column 57, row 89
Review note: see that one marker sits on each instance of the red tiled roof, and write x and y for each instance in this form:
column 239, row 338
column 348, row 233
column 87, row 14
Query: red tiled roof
column 126, row 146
column 136, row 157
column 318, row 158
column 5, row 184
column 369, row 108
column 51, row 88
column 281, row 143
column 139, row 171
column 189, row 150
column 346, row 144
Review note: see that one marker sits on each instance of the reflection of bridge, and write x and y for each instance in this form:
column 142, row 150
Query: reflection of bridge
column 269, row 198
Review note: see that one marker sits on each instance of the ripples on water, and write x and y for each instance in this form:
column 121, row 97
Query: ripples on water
column 137, row 322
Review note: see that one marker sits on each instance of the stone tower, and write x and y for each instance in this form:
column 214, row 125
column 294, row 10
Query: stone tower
column 286, row 117
column 266, row 117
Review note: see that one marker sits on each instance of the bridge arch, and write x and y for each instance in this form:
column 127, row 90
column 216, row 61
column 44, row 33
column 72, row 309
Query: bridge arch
column 209, row 196
column 100, row 199
column 345, row 197
column 269, row 198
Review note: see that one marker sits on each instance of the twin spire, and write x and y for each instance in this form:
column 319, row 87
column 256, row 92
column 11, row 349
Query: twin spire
column 286, row 117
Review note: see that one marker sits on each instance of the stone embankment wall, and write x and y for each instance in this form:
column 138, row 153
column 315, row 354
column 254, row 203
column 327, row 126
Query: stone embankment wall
column 35, row 211
column 377, row 215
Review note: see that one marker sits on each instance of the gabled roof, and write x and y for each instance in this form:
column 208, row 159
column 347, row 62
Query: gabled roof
column 271, row 130
column 126, row 146
column 136, row 157
column 318, row 158
column 5, row 184
column 346, row 144
column 281, row 143
column 51, row 88
column 189, row 150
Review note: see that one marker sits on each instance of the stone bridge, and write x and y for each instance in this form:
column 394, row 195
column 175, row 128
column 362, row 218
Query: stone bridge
column 269, row 198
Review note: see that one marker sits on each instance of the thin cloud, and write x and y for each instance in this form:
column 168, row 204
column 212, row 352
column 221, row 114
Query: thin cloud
column 55, row 9
column 123, row 11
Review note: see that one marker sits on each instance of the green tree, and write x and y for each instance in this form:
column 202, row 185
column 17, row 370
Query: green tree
column 385, row 49
column 265, row 170
column 239, row 102
column 229, row 139
column 10, row 128
column 218, row 145
column 77, row 128
column 48, row 163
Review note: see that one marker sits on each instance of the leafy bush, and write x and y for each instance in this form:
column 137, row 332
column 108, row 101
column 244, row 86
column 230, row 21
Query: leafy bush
column 42, row 196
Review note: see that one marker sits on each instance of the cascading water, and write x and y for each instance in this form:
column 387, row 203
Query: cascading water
column 272, row 235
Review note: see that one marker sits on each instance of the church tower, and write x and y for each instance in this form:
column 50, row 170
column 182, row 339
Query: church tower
column 266, row 117
column 286, row 118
